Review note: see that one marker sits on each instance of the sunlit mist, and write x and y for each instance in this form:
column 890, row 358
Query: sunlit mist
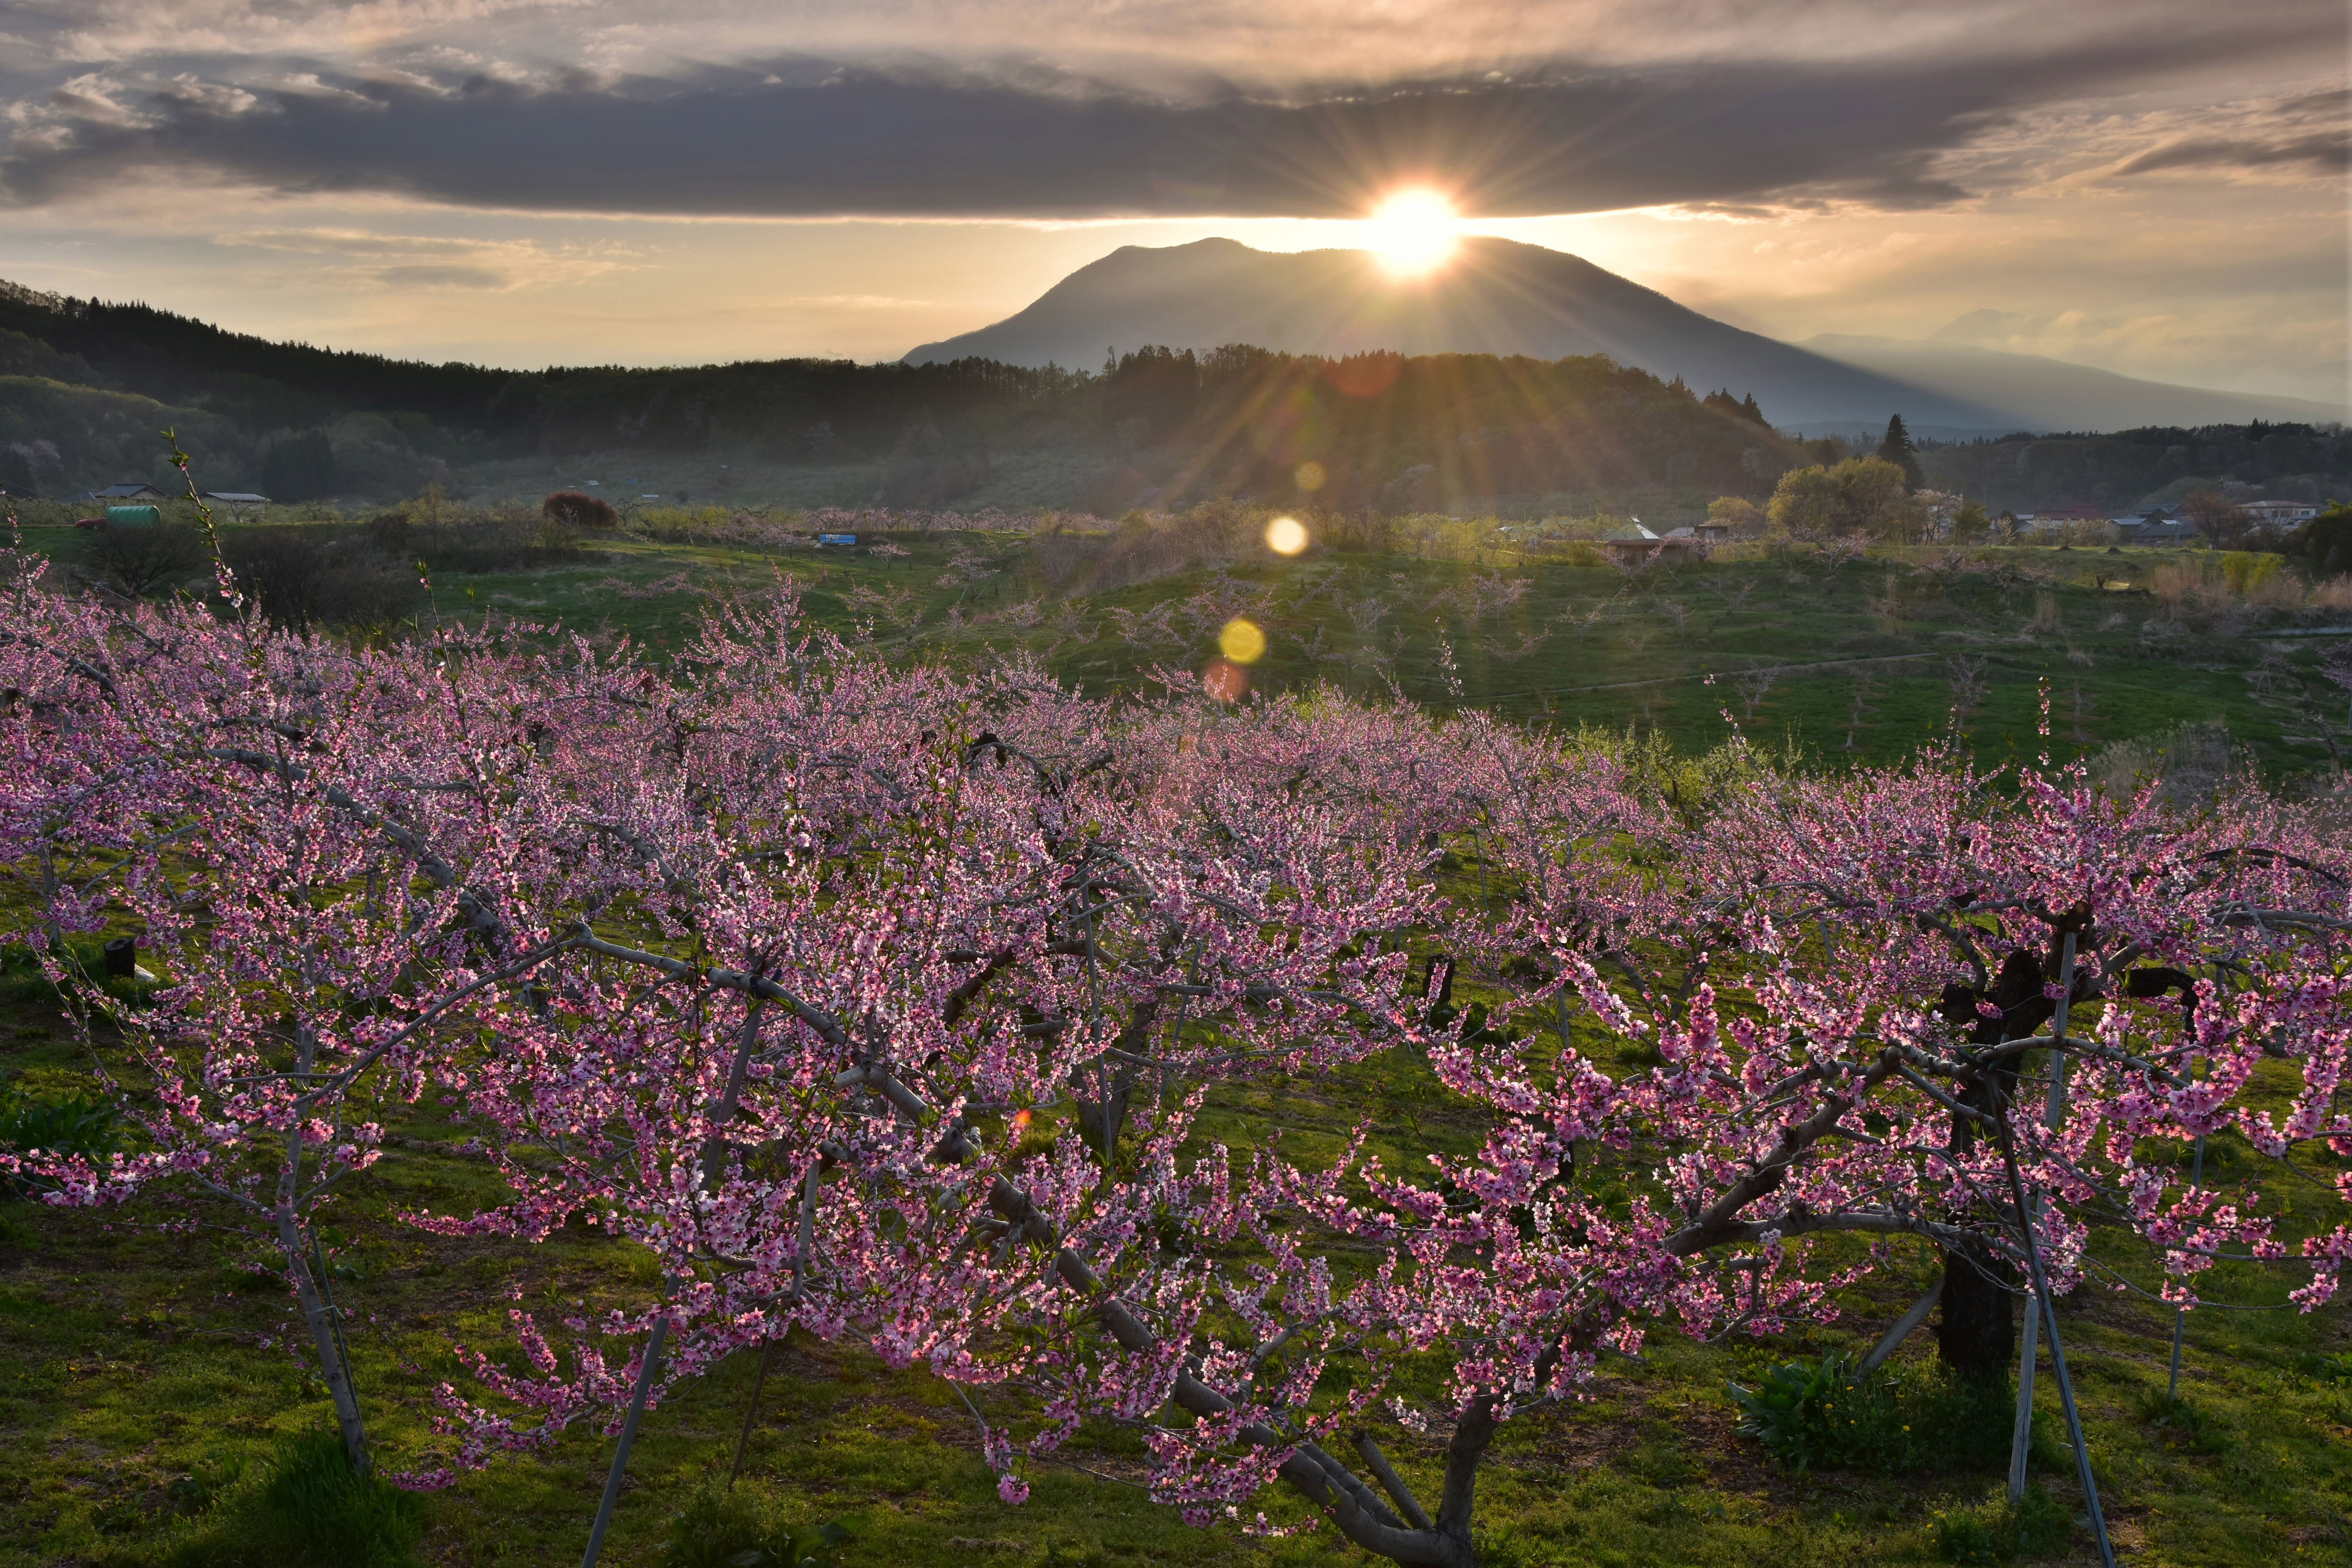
column 1414, row 232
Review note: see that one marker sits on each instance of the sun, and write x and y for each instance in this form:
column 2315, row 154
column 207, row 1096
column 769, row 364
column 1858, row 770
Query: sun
column 1415, row 231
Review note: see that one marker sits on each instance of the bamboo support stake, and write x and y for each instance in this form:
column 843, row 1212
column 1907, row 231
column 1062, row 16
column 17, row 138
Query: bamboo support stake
column 2053, row 1113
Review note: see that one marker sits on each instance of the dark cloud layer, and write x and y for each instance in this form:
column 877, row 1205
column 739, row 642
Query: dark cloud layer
column 803, row 137
column 2325, row 152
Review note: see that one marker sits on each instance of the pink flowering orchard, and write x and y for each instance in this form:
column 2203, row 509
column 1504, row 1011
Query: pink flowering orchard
column 910, row 1007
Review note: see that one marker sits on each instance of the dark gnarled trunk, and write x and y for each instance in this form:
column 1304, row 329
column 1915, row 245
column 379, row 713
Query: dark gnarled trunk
column 1976, row 1334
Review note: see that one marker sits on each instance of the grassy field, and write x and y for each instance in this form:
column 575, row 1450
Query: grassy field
column 144, row 1378
column 1844, row 657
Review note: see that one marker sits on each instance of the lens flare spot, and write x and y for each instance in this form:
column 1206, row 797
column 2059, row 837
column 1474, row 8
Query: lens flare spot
column 1285, row 535
column 1310, row 475
column 1413, row 231
column 1225, row 682
column 1241, row 641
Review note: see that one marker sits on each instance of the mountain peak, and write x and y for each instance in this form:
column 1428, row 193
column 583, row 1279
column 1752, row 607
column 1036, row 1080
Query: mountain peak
column 1496, row 296
column 1504, row 297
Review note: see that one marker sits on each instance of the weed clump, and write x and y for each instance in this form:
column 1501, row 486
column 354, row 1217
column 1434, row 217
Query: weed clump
column 2002, row 1531
column 721, row 1528
column 76, row 1125
column 307, row 1508
column 1828, row 1414
column 2177, row 1424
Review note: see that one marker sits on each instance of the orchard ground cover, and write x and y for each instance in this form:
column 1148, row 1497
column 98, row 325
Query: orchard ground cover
column 1415, row 1111
column 1846, row 652
column 133, row 1396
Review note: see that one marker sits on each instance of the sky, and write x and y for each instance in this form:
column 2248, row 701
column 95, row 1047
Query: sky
column 2156, row 187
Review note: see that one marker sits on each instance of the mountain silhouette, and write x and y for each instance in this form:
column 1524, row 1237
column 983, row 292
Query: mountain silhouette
column 2040, row 393
column 1501, row 296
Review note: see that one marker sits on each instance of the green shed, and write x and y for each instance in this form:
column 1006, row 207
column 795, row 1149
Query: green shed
column 133, row 517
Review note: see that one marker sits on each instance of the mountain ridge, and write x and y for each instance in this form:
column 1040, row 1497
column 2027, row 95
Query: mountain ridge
column 1507, row 298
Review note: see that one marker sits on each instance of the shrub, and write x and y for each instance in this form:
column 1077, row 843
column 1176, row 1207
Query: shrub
column 507, row 541
column 2003, row 1530
column 1861, row 495
column 303, row 580
column 578, row 509
column 308, row 1509
column 721, row 1528
column 2326, row 540
column 1825, row 1414
column 140, row 562
column 2193, row 764
column 1364, row 533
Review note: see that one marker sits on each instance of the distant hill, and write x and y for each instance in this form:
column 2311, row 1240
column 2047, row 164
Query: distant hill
column 85, row 386
column 1501, row 296
column 2051, row 394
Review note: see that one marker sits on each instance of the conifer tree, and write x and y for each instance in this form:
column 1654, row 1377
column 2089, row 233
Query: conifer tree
column 1898, row 449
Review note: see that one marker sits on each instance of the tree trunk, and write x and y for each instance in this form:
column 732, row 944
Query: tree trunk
column 1976, row 1334
column 319, row 1319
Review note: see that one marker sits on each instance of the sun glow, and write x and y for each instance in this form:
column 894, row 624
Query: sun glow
column 1414, row 232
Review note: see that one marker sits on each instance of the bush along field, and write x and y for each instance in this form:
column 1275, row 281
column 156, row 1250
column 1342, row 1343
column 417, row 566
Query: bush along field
column 731, row 1091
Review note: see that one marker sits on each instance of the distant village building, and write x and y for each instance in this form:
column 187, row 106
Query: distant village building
column 2158, row 525
column 236, row 498
column 129, row 492
column 1633, row 544
column 2273, row 516
column 2049, row 522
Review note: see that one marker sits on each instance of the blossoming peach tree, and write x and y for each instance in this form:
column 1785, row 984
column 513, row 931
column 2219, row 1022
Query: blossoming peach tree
column 910, row 1007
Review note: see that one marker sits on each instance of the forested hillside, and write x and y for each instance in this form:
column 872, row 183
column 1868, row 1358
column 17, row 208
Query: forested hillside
column 85, row 385
column 2027, row 473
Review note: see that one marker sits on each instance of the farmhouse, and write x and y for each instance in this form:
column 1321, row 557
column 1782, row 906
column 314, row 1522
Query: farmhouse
column 2273, row 516
column 1633, row 544
column 2158, row 525
column 128, row 493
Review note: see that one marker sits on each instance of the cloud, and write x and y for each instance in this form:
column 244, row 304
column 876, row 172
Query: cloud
column 829, row 139
column 1050, row 112
column 442, row 277
column 857, row 302
column 2325, row 152
column 394, row 261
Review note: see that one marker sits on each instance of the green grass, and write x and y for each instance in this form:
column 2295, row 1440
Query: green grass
column 1853, row 662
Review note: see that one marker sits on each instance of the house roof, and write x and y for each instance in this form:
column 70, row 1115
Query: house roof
column 238, row 497
column 1631, row 533
column 130, row 489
